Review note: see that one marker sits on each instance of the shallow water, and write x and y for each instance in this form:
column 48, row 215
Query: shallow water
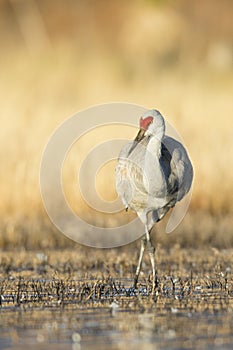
column 102, row 329
column 115, row 317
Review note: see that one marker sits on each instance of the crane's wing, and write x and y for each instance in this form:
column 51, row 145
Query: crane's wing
column 178, row 174
column 177, row 169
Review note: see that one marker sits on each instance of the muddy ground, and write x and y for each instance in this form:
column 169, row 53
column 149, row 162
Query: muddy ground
column 83, row 299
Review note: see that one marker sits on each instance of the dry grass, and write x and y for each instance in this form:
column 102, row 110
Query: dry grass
column 76, row 276
column 196, row 230
column 45, row 80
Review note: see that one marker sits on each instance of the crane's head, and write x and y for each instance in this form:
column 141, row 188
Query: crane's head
column 151, row 123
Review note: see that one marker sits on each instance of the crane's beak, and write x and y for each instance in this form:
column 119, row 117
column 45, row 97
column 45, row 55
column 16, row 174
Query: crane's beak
column 140, row 135
column 137, row 139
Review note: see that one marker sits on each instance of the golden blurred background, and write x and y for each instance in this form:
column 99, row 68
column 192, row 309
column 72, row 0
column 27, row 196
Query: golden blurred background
column 58, row 57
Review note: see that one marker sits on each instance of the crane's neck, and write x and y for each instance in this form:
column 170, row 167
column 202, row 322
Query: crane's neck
column 155, row 143
column 152, row 167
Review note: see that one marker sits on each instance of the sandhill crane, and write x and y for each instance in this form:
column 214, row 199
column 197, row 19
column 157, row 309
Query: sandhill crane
column 153, row 173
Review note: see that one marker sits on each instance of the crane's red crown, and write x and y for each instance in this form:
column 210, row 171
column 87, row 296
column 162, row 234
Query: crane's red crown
column 144, row 123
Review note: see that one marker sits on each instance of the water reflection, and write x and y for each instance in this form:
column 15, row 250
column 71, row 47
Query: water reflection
column 133, row 323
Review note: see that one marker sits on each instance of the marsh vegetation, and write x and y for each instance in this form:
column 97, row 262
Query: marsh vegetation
column 58, row 59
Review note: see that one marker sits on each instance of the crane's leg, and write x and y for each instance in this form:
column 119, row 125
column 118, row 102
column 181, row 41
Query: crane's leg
column 151, row 250
column 143, row 246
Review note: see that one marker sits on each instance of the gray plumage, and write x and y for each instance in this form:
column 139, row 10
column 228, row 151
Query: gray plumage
column 153, row 173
